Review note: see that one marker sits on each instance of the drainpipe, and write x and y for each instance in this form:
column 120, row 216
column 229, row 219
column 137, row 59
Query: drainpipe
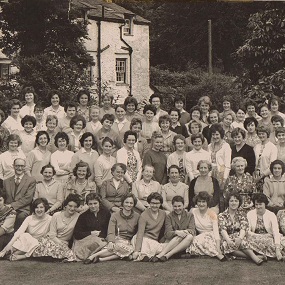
column 99, row 56
column 130, row 53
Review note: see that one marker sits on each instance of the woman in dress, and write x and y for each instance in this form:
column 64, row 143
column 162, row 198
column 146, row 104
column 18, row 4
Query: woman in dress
column 213, row 118
column 242, row 183
column 207, row 241
column 149, row 125
column 179, row 230
column 103, row 165
column 227, row 126
column 250, row 124
column 77, row 124
column 51, row 123
column 30, row 97
column 122, row 227
column 194, row 128
column 204, row 182
column 280, row 135
column 173, row 188
column 263, row 236
column 83, row 99
column 61, row 159
column 131, row 106
column 151, row 221
column 130, row 157
column 221, row 154
column 233, row 228
column 55, row 243
column 179, row 103
column 113, row 189
column 91, row 227
column 205, row 105
column 13, row 122
column 7, row 221
column 240, row 117
column 143, row 188
column 274, row 186
column 241, row 149
column 121, row 124
column 157, row 159
column 86, row 153
column 195, row 155
column 80, row 184
column 168, row 135
column 25, row 239
column 107, row 101
column 39, row 156
column 178, row 157
column 28, row 134
column 50, row 189
column 175, row 125
column 7, row 158
column 141, row 145
column 265, row 153
column 94, row 125
column 265, row 118
column 54, row 109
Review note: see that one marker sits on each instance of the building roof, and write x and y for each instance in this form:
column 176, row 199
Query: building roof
column 112, row 11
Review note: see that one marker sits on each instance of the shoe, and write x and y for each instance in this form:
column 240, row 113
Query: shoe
column 95, row 259
column 259, row 262
column 145, row 259
column 87, row 261
column 155, row 259
column 223, row 259
column 264, row 258
column 163, row 259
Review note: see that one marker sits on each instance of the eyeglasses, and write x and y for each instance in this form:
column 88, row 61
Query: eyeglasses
column 19, row 166
column 155, row 203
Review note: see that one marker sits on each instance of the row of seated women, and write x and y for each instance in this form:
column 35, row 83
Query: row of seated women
column 155, row 236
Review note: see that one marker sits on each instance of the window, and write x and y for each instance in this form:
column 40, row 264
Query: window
column 121, row 71
column 128, row 27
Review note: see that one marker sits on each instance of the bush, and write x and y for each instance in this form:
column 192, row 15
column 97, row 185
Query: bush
column 194, row 84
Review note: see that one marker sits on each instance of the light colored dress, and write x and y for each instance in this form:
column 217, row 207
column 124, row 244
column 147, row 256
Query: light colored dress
column 12, row 125
column 62, row 228
column 28, row 141
column 29, row 232
column 27, row 110
column 51, row 111
column 36, row 159
column 204, row 243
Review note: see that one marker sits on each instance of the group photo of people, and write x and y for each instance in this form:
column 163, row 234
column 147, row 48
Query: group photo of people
column 88, row 183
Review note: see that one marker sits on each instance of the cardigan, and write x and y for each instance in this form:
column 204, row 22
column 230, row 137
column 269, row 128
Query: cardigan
column 216, row 194
column 270, row 223
column 172, row 224
column 88, row 222
column 122, row 226
column 149, row 227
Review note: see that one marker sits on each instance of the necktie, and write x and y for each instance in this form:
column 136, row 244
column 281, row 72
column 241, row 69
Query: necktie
column 17, row 181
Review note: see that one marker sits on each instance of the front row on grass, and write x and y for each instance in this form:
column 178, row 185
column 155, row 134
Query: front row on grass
column 152, row 236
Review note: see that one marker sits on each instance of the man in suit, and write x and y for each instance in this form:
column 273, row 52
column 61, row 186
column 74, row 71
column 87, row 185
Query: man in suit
column 19, row 190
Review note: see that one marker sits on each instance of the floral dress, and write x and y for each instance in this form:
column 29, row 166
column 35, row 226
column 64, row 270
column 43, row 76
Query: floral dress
column 263, row 242
column 4, row 133
column 244, row 186
column 233, row 228
column 132, row 166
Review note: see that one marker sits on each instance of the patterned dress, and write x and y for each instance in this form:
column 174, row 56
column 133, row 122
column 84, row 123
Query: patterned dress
column 233, row 228
column 132, row 166
column 245, row 186
column 207, row 227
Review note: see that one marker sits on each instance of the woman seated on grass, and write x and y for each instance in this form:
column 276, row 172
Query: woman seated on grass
column 151, row 221
column 25, row 239
column 122, row 227
column 179, row 230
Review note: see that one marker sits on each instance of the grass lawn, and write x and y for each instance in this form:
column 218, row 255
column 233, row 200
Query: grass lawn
column 195, row 271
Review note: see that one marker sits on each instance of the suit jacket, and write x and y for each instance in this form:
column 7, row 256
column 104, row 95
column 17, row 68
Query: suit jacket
column 21, row 199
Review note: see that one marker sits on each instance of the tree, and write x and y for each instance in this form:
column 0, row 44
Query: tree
column 47, row 43
column 263, row 54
